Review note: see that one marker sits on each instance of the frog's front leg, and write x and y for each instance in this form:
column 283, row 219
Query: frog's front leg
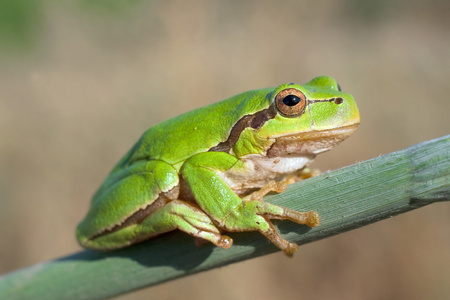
column 227, row 209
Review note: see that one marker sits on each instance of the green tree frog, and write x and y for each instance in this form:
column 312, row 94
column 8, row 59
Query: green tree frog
column 205, row 172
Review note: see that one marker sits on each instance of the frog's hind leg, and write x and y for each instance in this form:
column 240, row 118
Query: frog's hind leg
column 184, row 216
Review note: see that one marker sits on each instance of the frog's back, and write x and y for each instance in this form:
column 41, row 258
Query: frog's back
column 197, row 131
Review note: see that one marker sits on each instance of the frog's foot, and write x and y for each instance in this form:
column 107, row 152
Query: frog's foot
column 256, row 215
column 280, row 186
column 186, row 217
column 271, row 211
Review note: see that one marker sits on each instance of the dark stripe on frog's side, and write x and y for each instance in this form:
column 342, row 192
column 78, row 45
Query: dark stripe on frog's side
column 254, row 121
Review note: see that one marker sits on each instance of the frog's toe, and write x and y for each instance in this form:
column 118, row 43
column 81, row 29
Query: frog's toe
column 225, row 242
column 290, row 249
column 313, row 219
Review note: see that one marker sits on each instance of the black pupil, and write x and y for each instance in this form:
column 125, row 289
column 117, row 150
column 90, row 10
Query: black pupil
column 291, row 100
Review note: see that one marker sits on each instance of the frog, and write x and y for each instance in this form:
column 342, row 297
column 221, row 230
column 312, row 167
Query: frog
column 205, row 172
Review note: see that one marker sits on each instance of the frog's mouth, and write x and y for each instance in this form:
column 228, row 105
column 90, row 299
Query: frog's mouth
column 310, row 142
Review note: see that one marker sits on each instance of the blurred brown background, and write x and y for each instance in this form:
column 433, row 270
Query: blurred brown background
column 80, row 82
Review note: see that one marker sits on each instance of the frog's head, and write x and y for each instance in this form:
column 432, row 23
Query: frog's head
column 300, row 120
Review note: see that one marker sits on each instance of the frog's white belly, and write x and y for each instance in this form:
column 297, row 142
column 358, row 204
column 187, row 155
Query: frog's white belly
column 259, row 170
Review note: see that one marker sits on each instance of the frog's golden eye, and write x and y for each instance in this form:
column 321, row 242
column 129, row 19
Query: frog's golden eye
column 290, row 102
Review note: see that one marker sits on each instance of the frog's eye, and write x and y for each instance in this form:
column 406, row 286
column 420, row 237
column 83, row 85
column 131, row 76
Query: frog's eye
column 290, row 102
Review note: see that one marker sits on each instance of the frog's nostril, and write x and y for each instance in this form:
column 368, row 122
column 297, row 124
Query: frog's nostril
column 338, row 100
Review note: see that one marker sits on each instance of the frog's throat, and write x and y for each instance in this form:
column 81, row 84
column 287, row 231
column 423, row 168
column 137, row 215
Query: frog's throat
column 309, row 142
